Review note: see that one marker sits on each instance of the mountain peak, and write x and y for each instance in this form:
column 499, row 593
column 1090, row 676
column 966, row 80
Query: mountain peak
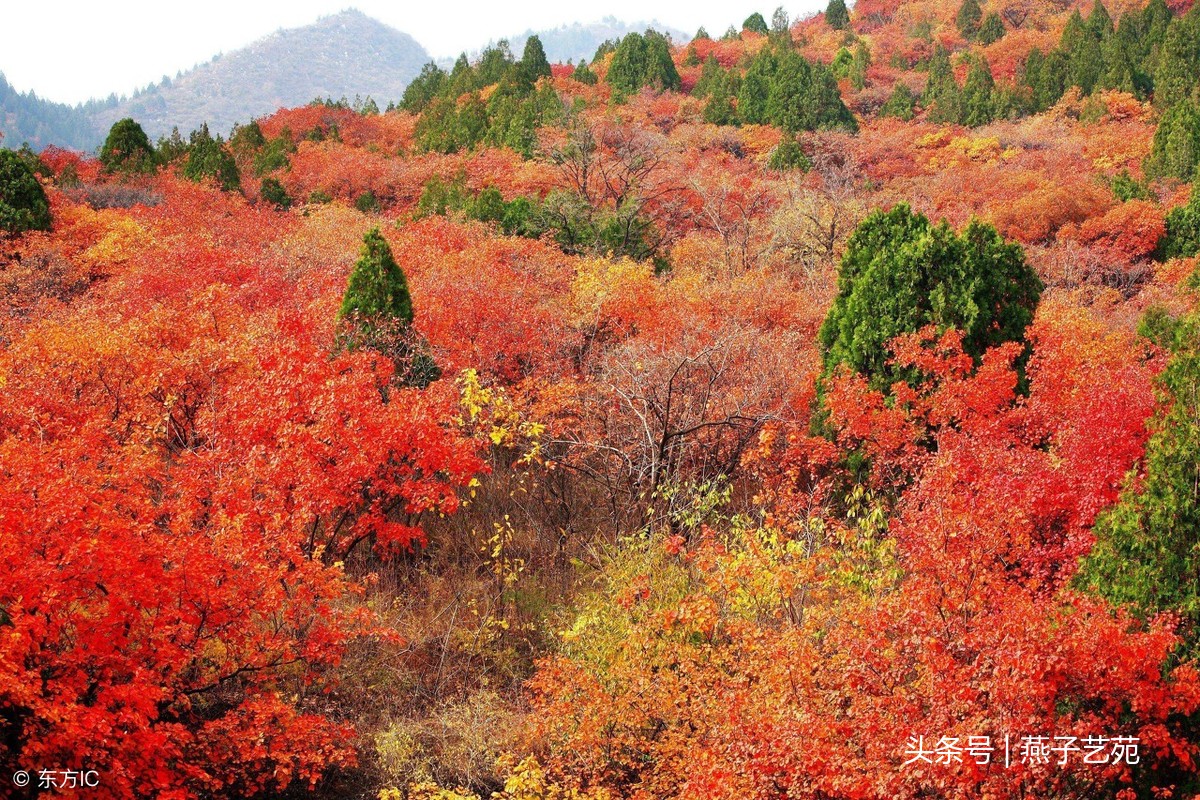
column 346, row 54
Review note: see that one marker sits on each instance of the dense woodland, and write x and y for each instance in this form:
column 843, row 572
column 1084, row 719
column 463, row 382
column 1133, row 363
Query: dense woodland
column 708, row 419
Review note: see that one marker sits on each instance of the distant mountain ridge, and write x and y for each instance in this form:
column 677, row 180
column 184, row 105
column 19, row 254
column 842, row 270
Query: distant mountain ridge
column 579, row 41
column 342, row 55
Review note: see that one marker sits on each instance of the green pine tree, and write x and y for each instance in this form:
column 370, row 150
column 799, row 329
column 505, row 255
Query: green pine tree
column 901, row 104
column 377, row 289
column 23, row 204
column 901, row 273
column 969, row 18
column 1183, row 229
column 127, row 150
column 209, row 159
column 992, row 30
column 1147, row 550
column 837, row 16
column 756, row 24
column 1175, row 152
column 978, row 105
column 533, row 60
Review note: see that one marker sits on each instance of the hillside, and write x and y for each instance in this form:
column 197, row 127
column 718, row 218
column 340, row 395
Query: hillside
column 811, row 412
column 343, row 55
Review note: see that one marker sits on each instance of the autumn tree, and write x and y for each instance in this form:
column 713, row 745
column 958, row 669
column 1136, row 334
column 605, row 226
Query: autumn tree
column 901, row 273
column 23, row 204
column 127, row 149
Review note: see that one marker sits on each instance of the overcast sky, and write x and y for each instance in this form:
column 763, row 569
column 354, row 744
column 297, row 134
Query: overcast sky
column 72, row 51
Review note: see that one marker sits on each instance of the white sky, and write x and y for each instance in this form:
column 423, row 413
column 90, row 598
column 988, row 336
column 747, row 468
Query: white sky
column 72, row 51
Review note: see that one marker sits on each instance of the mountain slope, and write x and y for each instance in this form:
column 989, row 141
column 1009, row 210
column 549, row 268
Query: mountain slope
column 342, row 55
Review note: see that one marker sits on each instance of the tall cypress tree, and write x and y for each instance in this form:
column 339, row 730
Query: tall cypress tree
column 992, row 29
column 378, row 290
column 837, row 16
column 533, row 60
column 978, row 105
column 1175, row 76
column 1176, row 149
column 969, row 18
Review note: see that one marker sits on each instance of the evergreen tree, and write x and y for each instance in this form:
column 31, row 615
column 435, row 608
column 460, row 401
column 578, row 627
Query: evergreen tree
column 272, row 191
column 494, row 63
column 805, row 97
column 942, row 95
column 719, row 109
column 533, row 60
column 1183, row 229
column 660, row 67
column 470, row 123
column 428, row 84
column 378, row 290
column 837, row 16
column 702, row 35
column 627, row 71
column 901, row 104
column 1175, row 77
column 978, row 106
column 1176, row 149
column 860, row 65
column 789, row 156
column 23, row 204
column 1100, row 22
column 247, row 140
column 127, row 150
column 584, row 75
column 462, row 79
column 756, row 24
column 1084, row 53
column 755, row 88
column 709, row 74
column 1147, row 550
column 170, row 148
column 900, row 273
column 842, row 61
column 208, row 158
column 970, row 16
column 1046, row 77
column 992, row 30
